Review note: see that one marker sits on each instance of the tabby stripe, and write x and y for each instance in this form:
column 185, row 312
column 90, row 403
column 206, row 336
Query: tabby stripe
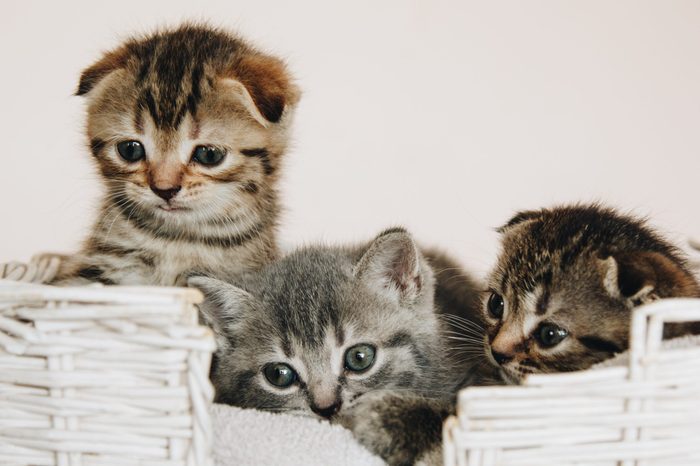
column 222, row 242
column 399, row 339
column 139, row 220
column 530, row 363
column 379, row 377
column 405, row 379
column 195, row 94
column 96, row 146
column 151, row 104
column 264, row 157
column 543, row 303
column 599, row 344
column 94, row 274
column 114, row 250
column 339, row 331
column 251, row 187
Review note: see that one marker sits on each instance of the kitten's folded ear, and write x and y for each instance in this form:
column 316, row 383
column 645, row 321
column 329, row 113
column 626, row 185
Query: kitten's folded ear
column 222, row 307
column 521, row 217
column 643, row 276
column 111, row 61
column 264, row 87
column 393, row 266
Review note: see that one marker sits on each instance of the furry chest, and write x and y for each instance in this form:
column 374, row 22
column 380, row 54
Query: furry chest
column 173, row 264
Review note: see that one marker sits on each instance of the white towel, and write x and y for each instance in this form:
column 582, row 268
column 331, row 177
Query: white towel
column 246, row 437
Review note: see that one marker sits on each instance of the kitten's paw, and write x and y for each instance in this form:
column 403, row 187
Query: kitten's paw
column 42, row 268
column 400, row 428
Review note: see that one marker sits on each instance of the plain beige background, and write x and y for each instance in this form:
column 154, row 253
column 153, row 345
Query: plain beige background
column 442, row 116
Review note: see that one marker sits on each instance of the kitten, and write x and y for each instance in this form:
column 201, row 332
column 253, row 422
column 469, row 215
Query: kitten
column 187, row 127
column 565, row 285
column 326, row 329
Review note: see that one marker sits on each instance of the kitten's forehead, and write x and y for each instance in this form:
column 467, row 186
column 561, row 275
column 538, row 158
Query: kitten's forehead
column 174, row 71
column 168, row 99
column 312, row 295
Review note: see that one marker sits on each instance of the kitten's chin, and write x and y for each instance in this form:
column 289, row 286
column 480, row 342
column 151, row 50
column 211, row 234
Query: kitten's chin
column 510, row 378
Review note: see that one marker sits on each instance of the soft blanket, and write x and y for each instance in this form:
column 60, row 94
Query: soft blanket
column 249, row 437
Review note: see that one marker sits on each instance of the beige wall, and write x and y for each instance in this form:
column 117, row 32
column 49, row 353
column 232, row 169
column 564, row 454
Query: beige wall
column 443, row 116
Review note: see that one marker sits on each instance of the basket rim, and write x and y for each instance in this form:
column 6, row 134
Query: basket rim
column 11, row 291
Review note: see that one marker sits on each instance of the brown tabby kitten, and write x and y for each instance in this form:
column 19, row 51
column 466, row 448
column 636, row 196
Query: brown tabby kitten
column 565, row 285
column 187, row 127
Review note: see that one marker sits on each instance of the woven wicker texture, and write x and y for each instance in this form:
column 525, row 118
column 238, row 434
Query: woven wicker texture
column 645, row 412
column 103, row 376
column 41, row 269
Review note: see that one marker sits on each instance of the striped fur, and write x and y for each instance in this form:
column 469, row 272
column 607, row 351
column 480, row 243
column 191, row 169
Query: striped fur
column 173, row 91
column 387, row 294
column 581, row 268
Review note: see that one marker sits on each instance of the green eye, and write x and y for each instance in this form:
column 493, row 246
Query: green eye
column 280, row 374
column 131, row 151
column 549, row 335
column 496, row 305
column 208, row 155
column 360, row 357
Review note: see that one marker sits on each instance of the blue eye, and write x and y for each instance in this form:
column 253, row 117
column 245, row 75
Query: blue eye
column 208, row 155
column 131, row 151
column 280, row 374
column 359, row 357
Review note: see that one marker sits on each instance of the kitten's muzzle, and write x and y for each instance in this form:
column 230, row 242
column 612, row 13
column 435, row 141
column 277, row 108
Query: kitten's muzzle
column 167, row 193
column 327, row 411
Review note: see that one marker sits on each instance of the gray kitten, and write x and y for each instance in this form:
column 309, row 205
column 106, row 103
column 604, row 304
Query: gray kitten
column 327, row 330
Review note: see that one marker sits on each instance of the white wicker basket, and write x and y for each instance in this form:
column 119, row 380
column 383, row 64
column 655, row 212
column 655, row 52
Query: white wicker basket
column 645, row 410
column 103, row 376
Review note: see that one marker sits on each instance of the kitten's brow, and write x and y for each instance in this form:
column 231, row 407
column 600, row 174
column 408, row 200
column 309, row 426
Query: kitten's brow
column 399, row 339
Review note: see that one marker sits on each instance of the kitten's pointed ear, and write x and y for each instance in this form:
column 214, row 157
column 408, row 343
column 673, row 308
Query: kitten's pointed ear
column 393, row 266
column 222, row 307
column 264, row 87
column 643, row 276
column 111, row 61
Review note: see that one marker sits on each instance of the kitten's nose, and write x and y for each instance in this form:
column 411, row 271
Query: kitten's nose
column 327, row 411
column 167, row 193
column 500, row 357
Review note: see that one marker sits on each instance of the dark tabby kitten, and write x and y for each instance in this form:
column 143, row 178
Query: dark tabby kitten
column 187, row 127
column 566, row 282
column 327, row 330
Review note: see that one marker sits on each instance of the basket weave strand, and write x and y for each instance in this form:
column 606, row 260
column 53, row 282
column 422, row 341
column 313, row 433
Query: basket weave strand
column 102, row 376
column 643, row 409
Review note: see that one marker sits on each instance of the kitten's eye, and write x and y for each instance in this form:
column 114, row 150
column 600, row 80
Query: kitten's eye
column 549, row 335
column 131, row 151
column 360, row 357
column 208, row 155
column 496, row 305
column 280, row 374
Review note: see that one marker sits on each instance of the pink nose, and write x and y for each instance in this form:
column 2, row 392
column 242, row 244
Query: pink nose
column 327, row 411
